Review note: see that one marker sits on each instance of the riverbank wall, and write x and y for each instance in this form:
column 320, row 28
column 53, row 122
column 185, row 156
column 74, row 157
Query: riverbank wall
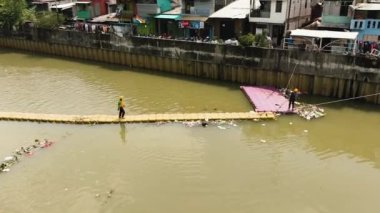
column 340, row 76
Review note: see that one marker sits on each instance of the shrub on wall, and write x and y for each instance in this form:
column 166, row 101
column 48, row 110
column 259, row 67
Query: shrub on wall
column 261, row 40
column 246, row 40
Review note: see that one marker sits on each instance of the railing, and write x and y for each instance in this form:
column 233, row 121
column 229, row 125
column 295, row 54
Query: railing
column 334, row 47
column 260, row 14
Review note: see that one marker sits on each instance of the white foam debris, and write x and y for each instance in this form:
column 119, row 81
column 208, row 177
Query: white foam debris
column 263, row 141
column 222, row 127
column 9, row 158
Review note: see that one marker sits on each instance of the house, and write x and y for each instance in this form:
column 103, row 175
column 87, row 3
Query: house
column 335, row 15
column 43, row 5
column 194, row 16
column 276, row 17
column 87, row 9
column 111, row 6
column 366, row 21
column 125, row 9
column 231, row 21
column 65, row 7
column 186, row 19
column 146, row 10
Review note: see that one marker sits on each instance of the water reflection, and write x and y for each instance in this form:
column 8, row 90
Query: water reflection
column 123, row 133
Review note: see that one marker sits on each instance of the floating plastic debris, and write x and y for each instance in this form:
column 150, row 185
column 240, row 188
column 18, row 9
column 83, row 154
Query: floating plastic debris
column 310, row 112
column 222, row 127
column 23, row 151
column 290, row 123
column 109, row 194
column 305, row 131
column 263, row 141
column 9, row 158
column 263, row 124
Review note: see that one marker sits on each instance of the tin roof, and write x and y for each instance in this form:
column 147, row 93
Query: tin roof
column 324, row 34
column 238, row 9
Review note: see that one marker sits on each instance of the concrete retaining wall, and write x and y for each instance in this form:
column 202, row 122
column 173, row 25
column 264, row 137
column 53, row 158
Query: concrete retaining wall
column 314, row 73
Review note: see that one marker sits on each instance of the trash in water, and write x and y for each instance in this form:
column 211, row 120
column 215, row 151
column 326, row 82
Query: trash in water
column 263, row 124
column 306, row 131
column 109, row 194
column 310, row 112
column 290, row 123
column 222, row 127
column 9, row 158
column 263, row 141
column 23, row 151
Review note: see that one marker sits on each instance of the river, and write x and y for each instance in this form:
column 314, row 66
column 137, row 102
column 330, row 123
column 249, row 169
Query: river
column 288, row 165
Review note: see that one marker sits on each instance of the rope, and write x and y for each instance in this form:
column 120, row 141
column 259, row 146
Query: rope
column 291, row 76
column 347, row 99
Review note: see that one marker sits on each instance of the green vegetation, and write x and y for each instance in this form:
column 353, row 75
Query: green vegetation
column 12, row 12
column 259, row 40
column 246, row 40
column 49, row 20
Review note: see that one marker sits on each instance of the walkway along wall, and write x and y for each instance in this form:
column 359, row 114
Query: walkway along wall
column 315, row 73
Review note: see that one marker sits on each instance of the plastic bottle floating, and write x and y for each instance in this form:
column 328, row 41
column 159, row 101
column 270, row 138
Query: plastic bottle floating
column 23, row 152
column 43, row 144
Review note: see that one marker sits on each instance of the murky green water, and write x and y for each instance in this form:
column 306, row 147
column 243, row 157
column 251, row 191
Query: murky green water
column 331, row 167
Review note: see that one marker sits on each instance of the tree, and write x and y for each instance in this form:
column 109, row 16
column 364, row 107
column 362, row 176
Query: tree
column 11, row 13
column 49, row 20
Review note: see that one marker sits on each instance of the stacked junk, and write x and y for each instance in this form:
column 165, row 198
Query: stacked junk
column 307, row 111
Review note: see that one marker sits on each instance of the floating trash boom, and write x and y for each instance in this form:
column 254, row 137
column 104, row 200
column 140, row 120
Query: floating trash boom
column 145, row 118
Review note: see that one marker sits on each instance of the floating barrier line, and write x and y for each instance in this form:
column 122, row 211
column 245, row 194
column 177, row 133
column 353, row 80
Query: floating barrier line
column 144, row 118
column 346, row 99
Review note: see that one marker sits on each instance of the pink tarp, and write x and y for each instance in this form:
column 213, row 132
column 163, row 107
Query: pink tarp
column 266, row 99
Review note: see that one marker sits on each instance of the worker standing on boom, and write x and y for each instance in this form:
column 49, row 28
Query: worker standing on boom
column 120, row 107
column 292, row 98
